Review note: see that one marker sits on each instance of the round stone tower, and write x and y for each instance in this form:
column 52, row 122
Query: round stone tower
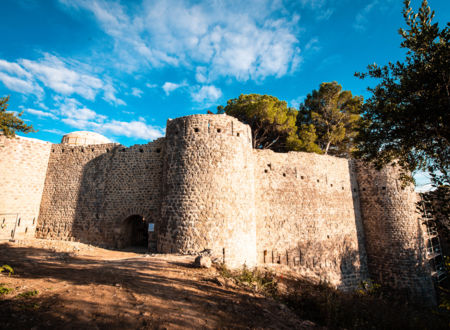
column 393, row 232
column 208, row 192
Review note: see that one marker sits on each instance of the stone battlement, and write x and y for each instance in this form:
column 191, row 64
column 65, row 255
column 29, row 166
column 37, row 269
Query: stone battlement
column 203, row 187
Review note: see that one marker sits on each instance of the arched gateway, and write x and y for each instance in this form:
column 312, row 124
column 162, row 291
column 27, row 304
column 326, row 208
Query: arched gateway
column 134, row 232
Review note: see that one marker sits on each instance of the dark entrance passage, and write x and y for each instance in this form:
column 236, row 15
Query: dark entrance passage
column 135, row 232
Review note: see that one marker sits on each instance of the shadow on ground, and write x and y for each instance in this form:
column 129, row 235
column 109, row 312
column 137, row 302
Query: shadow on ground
column 137, row 292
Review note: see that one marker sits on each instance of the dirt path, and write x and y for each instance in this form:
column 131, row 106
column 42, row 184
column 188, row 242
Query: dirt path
column 80, row 286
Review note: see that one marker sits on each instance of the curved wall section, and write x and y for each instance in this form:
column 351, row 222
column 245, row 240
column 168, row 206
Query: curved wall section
column 208, row 191
column 394, row 236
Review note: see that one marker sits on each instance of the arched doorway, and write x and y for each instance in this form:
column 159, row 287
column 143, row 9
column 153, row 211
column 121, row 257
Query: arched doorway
column 135, row 232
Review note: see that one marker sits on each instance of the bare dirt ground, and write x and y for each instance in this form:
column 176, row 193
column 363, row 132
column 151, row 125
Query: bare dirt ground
column 84, row 287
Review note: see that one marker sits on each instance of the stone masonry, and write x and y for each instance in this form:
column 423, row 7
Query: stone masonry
column 203, row 187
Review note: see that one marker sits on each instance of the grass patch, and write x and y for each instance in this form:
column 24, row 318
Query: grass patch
column 260, row 281
column 7, row 269
column 28, row 294
column 4, row 289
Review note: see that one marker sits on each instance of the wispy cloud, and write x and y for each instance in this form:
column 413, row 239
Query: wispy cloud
column 75, row 114
column 136, row 92
column 206, row 95
column 58, row 75
column 361, row 20
column 169, row 87
column 40, row 113
column 243, row 44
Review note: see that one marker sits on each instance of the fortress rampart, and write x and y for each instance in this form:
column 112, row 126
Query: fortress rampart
column 203, row 187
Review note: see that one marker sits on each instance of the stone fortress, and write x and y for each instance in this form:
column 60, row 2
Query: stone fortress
column 202, row 186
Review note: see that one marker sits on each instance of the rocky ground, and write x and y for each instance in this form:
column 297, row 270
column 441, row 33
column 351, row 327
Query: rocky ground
column 67, row 285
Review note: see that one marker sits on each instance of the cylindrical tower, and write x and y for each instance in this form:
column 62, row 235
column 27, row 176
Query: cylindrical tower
column 393, row 232
column 208, row 191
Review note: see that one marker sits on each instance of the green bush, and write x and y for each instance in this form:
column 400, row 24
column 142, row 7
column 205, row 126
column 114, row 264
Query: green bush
column 7, row 268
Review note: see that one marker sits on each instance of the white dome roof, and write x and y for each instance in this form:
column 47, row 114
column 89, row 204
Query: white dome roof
column 84, row 138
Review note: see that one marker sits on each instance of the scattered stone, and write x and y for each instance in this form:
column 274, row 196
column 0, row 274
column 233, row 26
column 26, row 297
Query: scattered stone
column 202, row 262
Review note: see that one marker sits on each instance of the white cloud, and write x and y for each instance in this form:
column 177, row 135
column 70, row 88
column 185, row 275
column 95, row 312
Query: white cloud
column 54, row 74
column 110, row 95
column 169, row 87
column 134, row 129
column 24, row 86
column 76, row 115
column 62, row 76
column 206, row 95
column 136, row 92
column 232, row 39
column 13, row 68
column 325, row 15
column 149, row 85
column 40, row 113
column 54, row 131
column 361, row 21
column 295, row 103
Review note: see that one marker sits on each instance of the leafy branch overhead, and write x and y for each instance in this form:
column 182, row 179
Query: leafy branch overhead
column 272, row 122
column 334, row 116
column 407, row 115
column 10, row 123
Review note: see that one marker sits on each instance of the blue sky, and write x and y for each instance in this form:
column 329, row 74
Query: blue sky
column 122, row 68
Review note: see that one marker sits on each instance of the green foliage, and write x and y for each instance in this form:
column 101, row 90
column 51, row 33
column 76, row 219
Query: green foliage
column 376, row 308
column 409, row 110
column 4, row 289
column 7, row 268
column 260, row 281
column 272, row 122
column 329, row 119
column 28, row 294
column 9, row 122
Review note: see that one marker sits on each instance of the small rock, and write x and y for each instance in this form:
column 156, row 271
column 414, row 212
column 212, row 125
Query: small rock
column 203, row 262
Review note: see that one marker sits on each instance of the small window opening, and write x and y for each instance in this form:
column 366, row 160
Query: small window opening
column 53, row 150
column 196, row 130
column 383, row 188
column 331, row 185
column 219, row 130
column 343, row 188
column 237, row 134
column 123, row 150
column 62, row 150
column 318, row 180
column 284, row 174
column 82, row 149
column 141, row 150
column 364, row 189
column 158, row 150
column 73, row 150
column 34, row 221
column 93, row 149
column 266, row 171
column 18, row 223
column 26, row 230
column 354, row 189
column 176, row 132
column 302, row 177
column 107, row 150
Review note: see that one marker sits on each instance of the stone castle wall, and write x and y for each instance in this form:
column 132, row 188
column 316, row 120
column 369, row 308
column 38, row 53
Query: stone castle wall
column 90, row 190
column 394, row 234
column 23, row 164
column 308, row 216
column 208, row 197
column 205, row 188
